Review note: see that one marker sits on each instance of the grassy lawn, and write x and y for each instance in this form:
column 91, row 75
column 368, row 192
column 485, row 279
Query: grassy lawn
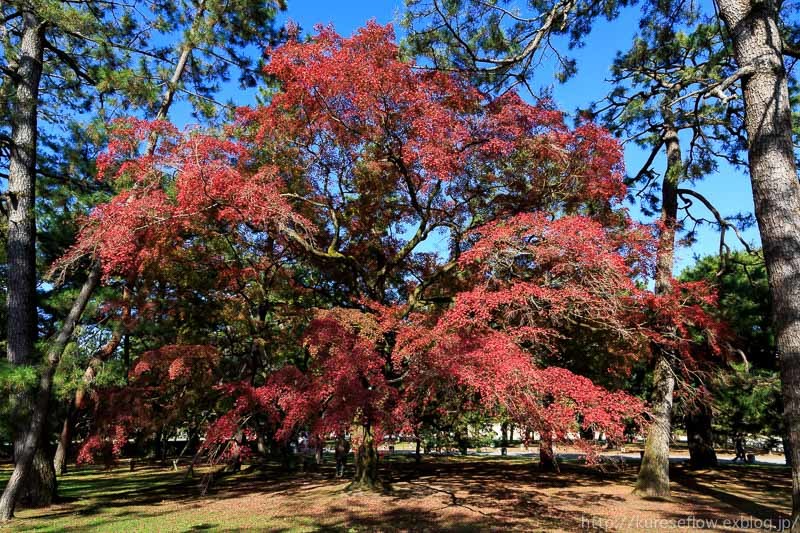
column 450, row 493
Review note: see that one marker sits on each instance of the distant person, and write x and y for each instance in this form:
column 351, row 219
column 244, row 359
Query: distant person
column 740, row 452
column 341, row 452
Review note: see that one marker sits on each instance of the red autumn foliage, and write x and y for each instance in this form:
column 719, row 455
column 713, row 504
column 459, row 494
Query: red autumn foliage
column 358, row 163
column 165, row 385
column 194, row 183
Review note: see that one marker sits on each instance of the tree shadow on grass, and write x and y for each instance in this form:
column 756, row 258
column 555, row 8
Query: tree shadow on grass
column 517, row 492
column 90, row 491
column 737, row 487
column 461, row 490
column 454, row 494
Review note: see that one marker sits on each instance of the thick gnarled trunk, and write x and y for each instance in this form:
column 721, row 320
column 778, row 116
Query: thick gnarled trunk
column 753, row 28
column 21, row 246
column 547, row 455
column 366, row 462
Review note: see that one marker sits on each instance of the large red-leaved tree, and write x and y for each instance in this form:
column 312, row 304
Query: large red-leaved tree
column 464, row 247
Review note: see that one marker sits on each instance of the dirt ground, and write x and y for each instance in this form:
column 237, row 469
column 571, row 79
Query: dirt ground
column 447, row 493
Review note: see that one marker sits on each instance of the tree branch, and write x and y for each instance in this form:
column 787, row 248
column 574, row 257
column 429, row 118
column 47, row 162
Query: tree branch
column 722, row 222
column 791, row 49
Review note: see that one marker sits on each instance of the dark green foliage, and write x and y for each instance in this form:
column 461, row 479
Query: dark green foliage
column 746, row 392
column 744, row 303
column 748, row 400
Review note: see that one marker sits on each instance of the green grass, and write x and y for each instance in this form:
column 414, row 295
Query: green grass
column 148, row 499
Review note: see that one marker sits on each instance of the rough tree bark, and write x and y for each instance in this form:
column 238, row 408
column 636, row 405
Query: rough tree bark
column 366, row 463
column 653, row 479
column 32, row 437
column 758, row 51
column 21, row 299
column 21, row 245
column 787, row 450
column 40, row 488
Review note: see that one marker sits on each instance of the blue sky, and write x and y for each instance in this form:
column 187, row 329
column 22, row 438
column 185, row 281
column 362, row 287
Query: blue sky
column 729, row 189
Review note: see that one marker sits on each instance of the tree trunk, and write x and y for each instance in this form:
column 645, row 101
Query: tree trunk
column 319, row 453
column 162, row 458
column 78, row 403
column 32, row 437
column 547, row 455
column 787, row 451
column 40, row 488
column 366, row 463
column 417, row 454
column 700, row 437
column 126, row 357
column 64, row 441
column 653, row 479
column 21, row 247
column 261, row 444
column 235, row 459
column 158, row 442
column 462, row 443
column 753, row 28
column 22, row 324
